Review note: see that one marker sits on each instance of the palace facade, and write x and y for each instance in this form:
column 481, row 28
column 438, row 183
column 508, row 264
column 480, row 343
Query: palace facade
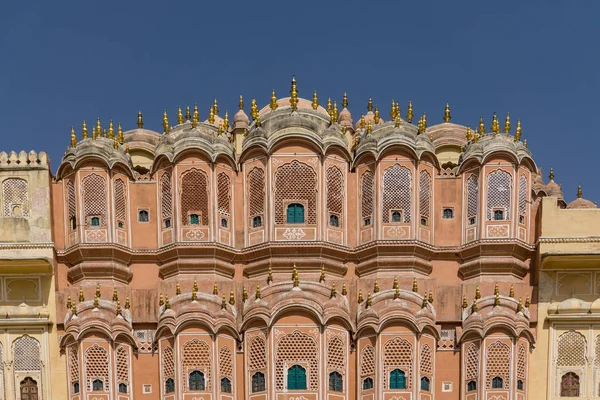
column 296, row 253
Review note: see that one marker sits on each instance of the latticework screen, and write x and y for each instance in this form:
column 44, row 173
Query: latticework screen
column 225, row 363
column 120, row 201
column 472, row 362
column 123, row 365
column 224, row 198
column 335, row 191
column 367, row 361
column 397, row 353
column 168, row 363
column 96, row 366
column 94, row 197
column 196, row 356
column 498, row 195
column 15, row 197
column 296, row 182
column 523, row 195
column 472, row 197
column 521, row 361
column 257, row 356
column 166, row 196
column 426, row 361
column 26, row 354
column 367, row 191
column 297, row 347
column 73, row 364
column 572, row 348
column 194, row 196
column 256, row 192
column 424, row 194
column 497, row 363
column 71, row 199
column 397, row 192
column 336, row 354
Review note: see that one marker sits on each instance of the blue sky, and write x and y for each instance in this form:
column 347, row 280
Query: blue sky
column 65, row 61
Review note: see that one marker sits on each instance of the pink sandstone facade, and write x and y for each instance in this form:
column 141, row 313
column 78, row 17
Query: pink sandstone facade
column 298, row 254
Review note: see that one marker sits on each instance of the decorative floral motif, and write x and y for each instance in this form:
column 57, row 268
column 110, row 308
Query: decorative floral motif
column 194, row 234
column 294, row 234
column 498, row 231
column 95, row 235
column 396, row 232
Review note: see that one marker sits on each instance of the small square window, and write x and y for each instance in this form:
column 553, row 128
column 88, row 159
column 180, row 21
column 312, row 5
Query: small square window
column 448, row 213
column 423, row 221
column 521, row 219
column 143, row 216
column 334, row 220
column 224, row 223
column 498, row 215
column 120, row 224
column 194, row 219
column 147, row 389
column 257, row 221
column 367, row 221
column 396, row 216
column 95, row 221
column 472, row 221
column 167, row 223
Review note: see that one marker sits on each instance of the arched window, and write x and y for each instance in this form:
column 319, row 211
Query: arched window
column 258, row 382
column 97, row 385
column 520, row 384
column 224, row 223
column 95, row 221
column 368, row 383
column 569, row 385
column 122, row 388
column 396, row 216
column 498, row 195
column 497, row 383
column 76, row 387
column 472, row 385
column 169, row 385
column 448, row 213
column 167, row 223
column 225, row 385
column 295, row 214
column 296, row 378
column 397, row 379
column 29, row 389
column 425, row 383
column 336, row 383
column 334, row 220
column 257, row 221
column 196, row 381
column 15, row 194
column 143, row 216
column 498, row 215
column 194, row 220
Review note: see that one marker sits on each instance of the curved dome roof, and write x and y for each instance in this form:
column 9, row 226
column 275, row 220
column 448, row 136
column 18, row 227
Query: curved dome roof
column 284, row 103
column 580, row 202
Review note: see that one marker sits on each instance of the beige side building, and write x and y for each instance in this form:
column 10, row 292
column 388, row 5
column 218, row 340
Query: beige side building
column 31, row 366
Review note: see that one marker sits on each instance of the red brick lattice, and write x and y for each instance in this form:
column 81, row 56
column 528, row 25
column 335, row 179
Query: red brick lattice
column 523, row 195
column 335, row 191
column 168, row 363
column 120, row 201
column 71, row 199
column 196, row 356
column 194, row 196
column 293, row 348
column 397, row 192
column 367, row 363
column 223, row 195
column 472, row 362
column 256, row 192
column 367, row 190
column 426, row 362
column 397, row 353
column 123, row 365
column 497, row 363
column 424, row 194
column 498, row 195
column 96, row 366
column 336, row 354
column 257, row 354
column 166, row 196
column 73, row 364
column 94, row 197
column 225, row 363
column 296, row 182
column 472, row 197
column 521, row 361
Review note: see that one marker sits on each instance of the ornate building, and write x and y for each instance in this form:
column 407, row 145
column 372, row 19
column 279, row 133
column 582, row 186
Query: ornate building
column 302, row 254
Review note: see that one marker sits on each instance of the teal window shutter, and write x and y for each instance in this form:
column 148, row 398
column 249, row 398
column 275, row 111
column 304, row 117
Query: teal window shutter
column 397, row 379
column 296, row 378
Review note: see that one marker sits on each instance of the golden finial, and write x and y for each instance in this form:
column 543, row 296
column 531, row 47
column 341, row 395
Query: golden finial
column 96, row 302
column 527, row 302
column 333, row 291
column 270, row 275
column 215, row 289
column 376, row 287
column 241, row 103
column 215, row 107
column 481, row 127
column 188, row 115
column 273, row 103
column 194, row 295
column 496, row 290
column 331, row 118
column 465, row 303
column 254, row 109
column 420, row 126
column 369, row 301
column 127, row 303
column 177, row 289
column 474, row 308
column 497, row 299
column 195, row 117
column 105, row 135
column 415, row 287
column 507, row 123
column 84, row 131
column 551, row 175
column 495, row 124
column 518, row 131
column 447, row 116
column 397, row 122
column 69, row 302
column 369, row 127
column 115, row 295
column 315, row 101
column 335, row 111
column 120, row 137
column 344, row 290
column 469, row 133
column 370, row 105
column 231, row 298
column 430, row 297
column 360, row 296
column 226, row 121
column 296, row 279
column 393, row 111
column 140, row 121
column 520, row 305
column 81, row 298
column 211, row 115
column 161, row 300
column 167, row 304
column 322, row 277
column 257, row 295
column 525, row 143
column 462, row 149
column 165, row 122
column 118, row 307
column 73, row 137
column 294, row 271
column 294, row 95
column 396, row 293
column 409, row 114
column 475, row 137
column 424, row 122
column 477, row 293
column 579, row 192
column 345, row 101
column 111, row 130
column 93, row 132
column 98, row 294
column 244, row 294
column 511, row 292
column 74, row 309
column 376, row 118
column 223, row 303
column 179, row 116
column 329, row 106
column 395, row 284
column 363, row 122
column 98, row 128
column 424, row 304
column 397, row 110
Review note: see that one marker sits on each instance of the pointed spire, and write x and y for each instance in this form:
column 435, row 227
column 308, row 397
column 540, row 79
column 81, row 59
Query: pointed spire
column 195, row 116
column 496, row 289
column 231, row 298
column 211, row 115
column 398, row 110
column 315, row 101
column 140, row 121
column 98, row 128
column 393, row 111
column 424, row 304
column 98, row 294
column 495, row 124
column 194, row 295
column 409, row 114
column 551, row 175
column 518, row 131
column 273, row 104
column 376, row 287
column 396, row 293
column 81, row 297
column 84, row 130
column 363, row 122
column 215, row 107
column 333, row 291
column 447, row 116
column 254, row 109
column 395, row 284
column 73, row 137
column 469, row 133
column 74, row 309
column 335, row 111
column 507, row 123
column 165, row 122
column 397, row 121
column 345, row 101
column 105, row 135
column 477, row 293
column 177, row 289
column 322, row 277
column 481, row 130
column 115, row 295
column 244, row 294
column 497, row 299
column 120, row 137
column 369, row 128
column 376, row 118
column 111, row 130
column 329, row 106
column 258, row 120
column 360, row 297
column 294, row 95
column 370, row 105
column 579, row 192
column 424, row 122
column 257, row 295
column 415, row 287
column 188, row 115
column 511, row 292
column 226, row 121
column 179, row 116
